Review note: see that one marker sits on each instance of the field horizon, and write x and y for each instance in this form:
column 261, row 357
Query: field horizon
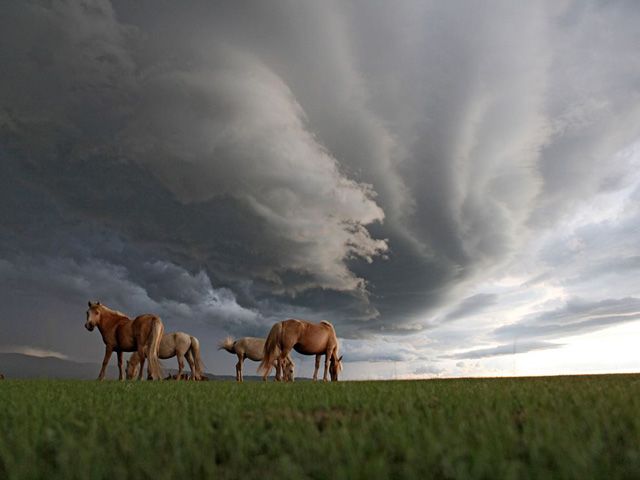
column 21, row 366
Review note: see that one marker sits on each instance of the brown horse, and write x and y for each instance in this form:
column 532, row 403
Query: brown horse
column 306, row 338
column 121, row 334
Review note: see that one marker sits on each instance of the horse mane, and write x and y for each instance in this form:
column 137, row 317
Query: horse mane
column 227, row 344
column 112, row 311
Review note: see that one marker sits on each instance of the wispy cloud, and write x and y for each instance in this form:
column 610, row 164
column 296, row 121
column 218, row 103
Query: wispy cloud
column 505, row 349
column 32, row 351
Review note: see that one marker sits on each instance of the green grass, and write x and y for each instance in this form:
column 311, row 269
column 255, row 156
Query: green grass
column 564, row 427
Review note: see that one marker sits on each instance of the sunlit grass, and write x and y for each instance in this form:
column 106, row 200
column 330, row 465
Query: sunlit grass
column 566, row 427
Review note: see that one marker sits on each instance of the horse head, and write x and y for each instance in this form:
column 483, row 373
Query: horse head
column 132, row 369
column 288, row 370
column 93, row 316
column 335, row 368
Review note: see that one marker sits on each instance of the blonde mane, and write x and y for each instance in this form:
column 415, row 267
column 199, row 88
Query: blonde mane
column 111, row 311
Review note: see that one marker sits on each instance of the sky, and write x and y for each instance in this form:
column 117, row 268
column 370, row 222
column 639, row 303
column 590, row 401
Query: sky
column 454, row 185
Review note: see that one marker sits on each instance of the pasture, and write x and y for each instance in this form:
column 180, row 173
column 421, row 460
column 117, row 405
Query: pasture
column 559, row 427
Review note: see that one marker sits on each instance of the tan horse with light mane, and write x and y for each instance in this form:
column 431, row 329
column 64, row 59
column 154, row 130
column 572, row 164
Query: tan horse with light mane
column 253, row 349
column 121, row 334
column 176, row 344
column 306, row 338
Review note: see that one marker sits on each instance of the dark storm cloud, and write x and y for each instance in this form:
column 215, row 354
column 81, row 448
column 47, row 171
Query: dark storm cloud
column 360, row 162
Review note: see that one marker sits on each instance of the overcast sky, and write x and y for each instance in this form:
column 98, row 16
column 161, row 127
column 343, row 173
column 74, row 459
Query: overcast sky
column 454, row 185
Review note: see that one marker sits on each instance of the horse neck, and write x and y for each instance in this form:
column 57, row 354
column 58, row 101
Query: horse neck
column 109, row 320
column 333, row 338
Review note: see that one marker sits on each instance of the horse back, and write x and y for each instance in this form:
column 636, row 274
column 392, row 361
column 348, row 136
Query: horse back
column 251, row 347
column 307, row 337
column 143, row 324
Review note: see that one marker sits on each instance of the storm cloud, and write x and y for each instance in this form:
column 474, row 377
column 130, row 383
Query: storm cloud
column 421, row 169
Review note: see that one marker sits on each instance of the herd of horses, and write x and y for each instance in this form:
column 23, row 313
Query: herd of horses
column 144, row 336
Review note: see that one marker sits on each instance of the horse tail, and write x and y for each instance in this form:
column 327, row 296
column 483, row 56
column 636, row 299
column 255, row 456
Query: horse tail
column 153, row 344
column 227, row 344
column 271, row 348
column 333, row 333
column 195, row 350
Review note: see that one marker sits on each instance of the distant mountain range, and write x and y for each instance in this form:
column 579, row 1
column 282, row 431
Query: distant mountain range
column 17, row 365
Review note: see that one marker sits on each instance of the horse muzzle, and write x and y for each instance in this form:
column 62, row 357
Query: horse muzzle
column 89, row 326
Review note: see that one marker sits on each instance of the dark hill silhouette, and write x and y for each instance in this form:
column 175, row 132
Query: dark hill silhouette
column 18, row 365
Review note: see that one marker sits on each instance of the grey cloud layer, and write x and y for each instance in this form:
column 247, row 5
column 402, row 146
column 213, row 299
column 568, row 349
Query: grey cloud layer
column 363, row 162
column 576, row 316
column 505, row 349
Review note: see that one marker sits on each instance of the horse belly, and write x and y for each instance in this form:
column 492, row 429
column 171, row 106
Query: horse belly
column 256, row 357
column 126, row 341
column 127, row 345
column 307, row 349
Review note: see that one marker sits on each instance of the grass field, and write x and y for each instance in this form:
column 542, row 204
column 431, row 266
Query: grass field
column 563, row 427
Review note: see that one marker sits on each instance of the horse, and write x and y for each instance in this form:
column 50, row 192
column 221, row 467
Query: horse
column 122, row 334
column 177, row 344
column 1, row 376
column 306, row 338
column 253, row 348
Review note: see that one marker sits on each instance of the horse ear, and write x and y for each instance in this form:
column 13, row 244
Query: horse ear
column 90, row 305
column 340, row 359
column 98, row 302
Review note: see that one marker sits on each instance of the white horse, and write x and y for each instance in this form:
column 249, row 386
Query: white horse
column 253, row 349
column 177, row 344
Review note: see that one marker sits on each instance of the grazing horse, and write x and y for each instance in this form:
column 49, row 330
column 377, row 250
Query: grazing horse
column 177, row 344
column 1, row 376
column 253, row 349
column 121, row 334
column 306, row 338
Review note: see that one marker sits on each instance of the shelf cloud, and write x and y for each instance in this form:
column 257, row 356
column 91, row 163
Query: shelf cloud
column 399, row 169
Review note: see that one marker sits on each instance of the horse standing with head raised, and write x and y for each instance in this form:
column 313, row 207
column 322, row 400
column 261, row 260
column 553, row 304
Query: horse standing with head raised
column 122, row 334
column 176, row 344
column 306, row 338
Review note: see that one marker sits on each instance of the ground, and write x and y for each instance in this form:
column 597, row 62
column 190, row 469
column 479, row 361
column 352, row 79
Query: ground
column 559, row 427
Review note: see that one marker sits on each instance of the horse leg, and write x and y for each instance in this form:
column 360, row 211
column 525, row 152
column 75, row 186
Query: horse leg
column 192, row 364
column 280, row 364
column 278, row 370
column 107, row 355
column 239, row 368
column 327, row 358
column 120, row 370
column 315, row 371
column 142, row 359
column 180, row 365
